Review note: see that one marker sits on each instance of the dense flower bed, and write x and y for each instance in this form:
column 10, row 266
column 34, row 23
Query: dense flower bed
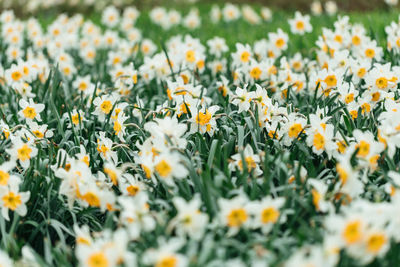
column 116, row 150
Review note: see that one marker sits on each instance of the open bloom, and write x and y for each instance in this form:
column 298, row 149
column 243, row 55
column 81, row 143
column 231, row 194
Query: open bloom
column 84, row 85
column 40, row 131
column 203, row 120
column 23, row 152
column 300, row 24
column 12, row 199
column 189, row 220
column 234, row 213
column 30, row 110
column 367, row 148
column 168, row 165
column 266, row 213
column 242, row 98
column 104, row 106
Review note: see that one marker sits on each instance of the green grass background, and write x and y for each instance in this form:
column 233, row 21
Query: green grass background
column 244, row 32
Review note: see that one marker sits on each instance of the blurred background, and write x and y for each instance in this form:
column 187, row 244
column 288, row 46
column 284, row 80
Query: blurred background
column 304, row 5
column 32, row 6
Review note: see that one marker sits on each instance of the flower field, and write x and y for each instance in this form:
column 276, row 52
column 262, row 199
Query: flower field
column 224, row 135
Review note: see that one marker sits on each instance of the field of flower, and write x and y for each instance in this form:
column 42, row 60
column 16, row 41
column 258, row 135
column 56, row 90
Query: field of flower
column 205, row 135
